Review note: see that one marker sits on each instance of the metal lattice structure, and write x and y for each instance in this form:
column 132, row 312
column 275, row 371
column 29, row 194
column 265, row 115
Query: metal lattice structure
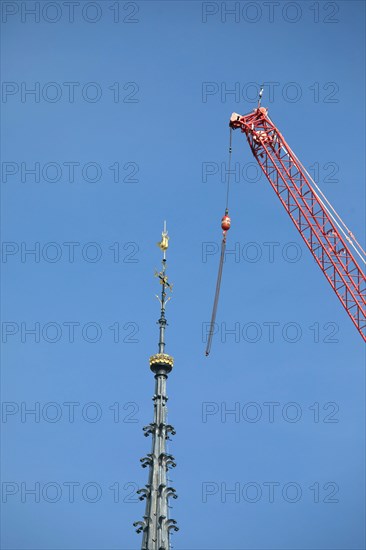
column 156, row 525
column 308, row 212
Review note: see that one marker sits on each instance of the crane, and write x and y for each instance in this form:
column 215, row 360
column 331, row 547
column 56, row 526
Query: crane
column 325, row 234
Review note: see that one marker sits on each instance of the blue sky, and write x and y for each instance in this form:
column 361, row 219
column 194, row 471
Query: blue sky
column 128, row 126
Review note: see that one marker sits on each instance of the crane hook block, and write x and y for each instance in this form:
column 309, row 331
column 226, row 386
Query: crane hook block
column 225, row 222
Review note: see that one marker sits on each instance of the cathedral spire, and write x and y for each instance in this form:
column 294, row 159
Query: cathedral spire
column 157, row 525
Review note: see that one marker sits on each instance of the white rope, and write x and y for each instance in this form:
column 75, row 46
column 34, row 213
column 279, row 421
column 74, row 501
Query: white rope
column 346, row 231
column 336, row 217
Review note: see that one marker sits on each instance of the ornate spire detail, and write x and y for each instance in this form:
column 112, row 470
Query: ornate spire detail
column 156, row 526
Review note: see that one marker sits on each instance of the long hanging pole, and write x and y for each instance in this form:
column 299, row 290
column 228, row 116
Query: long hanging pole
column 225, row 225
column 217, row 294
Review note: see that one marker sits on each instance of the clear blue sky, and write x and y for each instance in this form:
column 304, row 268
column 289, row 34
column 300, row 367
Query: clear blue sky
column 174, row 63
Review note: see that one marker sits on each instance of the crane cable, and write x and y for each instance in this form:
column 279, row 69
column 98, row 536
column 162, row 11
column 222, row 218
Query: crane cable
column 225, row 224
column 229, row 166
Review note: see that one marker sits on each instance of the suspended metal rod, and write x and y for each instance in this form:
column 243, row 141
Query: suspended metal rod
column 225, row 226
column 217, row 294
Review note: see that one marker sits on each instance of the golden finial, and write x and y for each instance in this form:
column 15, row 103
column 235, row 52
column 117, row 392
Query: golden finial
column 163, row 244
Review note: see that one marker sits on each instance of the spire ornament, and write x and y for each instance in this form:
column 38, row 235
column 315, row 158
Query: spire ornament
column 157, row 525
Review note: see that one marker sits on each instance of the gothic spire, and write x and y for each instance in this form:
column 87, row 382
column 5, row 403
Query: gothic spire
column 157, row 525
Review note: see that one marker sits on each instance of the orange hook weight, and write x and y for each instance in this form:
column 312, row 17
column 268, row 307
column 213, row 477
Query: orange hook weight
column 225, row 222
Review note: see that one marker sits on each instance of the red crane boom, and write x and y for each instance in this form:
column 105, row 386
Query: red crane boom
column 311, row 216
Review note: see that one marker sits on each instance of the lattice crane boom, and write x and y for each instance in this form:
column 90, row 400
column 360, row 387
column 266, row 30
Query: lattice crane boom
column 312, row 218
